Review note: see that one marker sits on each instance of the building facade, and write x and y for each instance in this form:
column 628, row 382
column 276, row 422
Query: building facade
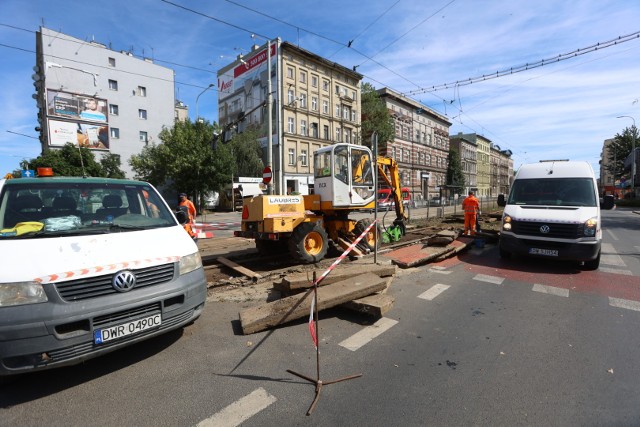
column 420, row 145
column 105, row 100
column 468, row 150
column 500, row 173
column 315, row 103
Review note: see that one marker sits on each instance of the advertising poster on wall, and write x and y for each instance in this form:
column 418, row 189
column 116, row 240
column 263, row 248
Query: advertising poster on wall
column 85, row 120
column 88, row 135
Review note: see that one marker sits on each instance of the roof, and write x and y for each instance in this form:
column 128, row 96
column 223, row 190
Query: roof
column 556, row 169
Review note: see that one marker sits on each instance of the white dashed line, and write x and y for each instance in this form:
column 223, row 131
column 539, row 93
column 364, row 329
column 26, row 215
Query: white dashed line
column 241, row 410
column 433, row 292
column 610, row 257
column 613, row 236
column 624, row 303
column 490, row 279
column 551, row 290
column 359, row 339
column 615, row 271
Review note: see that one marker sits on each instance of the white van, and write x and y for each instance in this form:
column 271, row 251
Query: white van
column 553, row 211
column 90, row 265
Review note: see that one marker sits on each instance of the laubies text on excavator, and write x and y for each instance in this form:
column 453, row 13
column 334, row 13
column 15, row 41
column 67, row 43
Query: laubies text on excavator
column 306, row 226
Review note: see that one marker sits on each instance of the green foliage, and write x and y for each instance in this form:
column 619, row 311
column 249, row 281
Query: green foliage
column 246, row 153
column 184, row 160
column 375, row 117
column 619, row 149
column 455, row 176
column 70, row 159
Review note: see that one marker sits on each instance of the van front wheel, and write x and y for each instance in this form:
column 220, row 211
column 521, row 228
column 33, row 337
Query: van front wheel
column 593, row 264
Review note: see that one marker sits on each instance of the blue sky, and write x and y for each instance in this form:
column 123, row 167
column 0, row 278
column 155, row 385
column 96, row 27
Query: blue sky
column 565, row 109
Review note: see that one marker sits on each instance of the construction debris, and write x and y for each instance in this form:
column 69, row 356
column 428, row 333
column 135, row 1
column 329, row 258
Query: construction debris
column 240, row 269
column 298, row 281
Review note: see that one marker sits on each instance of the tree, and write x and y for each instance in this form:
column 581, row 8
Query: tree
column 72, row 160
column 619, row 150
column 184, row 161
column 455, row 176
column 375, row 117
column 246, row 153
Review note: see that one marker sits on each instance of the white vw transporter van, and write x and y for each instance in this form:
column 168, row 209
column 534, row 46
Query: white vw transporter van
column 553, row 212
column 90, row 265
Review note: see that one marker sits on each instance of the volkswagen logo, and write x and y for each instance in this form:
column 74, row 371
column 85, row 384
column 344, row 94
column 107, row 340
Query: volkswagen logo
column 544, row 229
column 124, row 281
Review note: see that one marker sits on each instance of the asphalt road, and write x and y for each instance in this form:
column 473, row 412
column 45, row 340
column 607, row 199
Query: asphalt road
column 473, row 340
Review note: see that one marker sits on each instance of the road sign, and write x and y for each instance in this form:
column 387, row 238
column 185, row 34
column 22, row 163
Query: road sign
column 266, row 175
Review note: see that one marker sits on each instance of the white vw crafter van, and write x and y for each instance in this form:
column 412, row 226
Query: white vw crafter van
column 89, row 265
column 553, row 212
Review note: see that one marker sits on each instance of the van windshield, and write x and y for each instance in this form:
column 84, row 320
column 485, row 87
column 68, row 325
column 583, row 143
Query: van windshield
column 553, row 192
column 55, row 207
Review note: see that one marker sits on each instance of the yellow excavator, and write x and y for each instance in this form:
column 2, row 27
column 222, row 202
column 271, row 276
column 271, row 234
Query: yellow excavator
column 307, row 226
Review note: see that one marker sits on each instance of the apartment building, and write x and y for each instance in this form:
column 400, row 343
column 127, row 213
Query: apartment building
column 468, row 150
column 500, row 176
column 420, row 145
column 108, row 101
column 315, row 103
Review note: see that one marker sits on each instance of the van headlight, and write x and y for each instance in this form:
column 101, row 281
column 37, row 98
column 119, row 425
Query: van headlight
column 21, row 293
column 506, row 223
column 590, row 227
column 189, row 263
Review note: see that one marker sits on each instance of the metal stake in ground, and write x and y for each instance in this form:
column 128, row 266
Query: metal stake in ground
column 318, row 382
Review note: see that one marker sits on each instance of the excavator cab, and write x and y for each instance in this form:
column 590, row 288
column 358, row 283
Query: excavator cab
column 344, row 176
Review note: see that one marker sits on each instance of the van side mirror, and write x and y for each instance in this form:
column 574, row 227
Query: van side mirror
column 501, row 201
column 181, row 215
column 607, row 202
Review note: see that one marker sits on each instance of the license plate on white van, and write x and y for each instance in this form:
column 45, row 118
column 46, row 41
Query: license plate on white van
column 545, row 252
column 100, row 336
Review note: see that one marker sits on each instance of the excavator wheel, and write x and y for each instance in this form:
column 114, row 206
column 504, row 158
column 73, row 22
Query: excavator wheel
column 308, row 243
column 369, row 240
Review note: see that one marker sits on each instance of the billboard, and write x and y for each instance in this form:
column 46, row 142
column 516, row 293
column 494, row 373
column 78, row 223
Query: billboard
column 84, row 120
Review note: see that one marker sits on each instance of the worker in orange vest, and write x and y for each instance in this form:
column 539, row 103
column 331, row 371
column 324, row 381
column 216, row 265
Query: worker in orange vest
column 191, row 211
column 471, row 207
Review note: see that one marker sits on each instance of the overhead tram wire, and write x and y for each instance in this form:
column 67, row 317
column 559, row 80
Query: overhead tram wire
column 530, row 66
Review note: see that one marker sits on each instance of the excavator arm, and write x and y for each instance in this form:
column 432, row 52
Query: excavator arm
column 388, row 170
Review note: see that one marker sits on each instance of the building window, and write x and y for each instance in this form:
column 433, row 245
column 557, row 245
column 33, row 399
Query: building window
column 142, row 91
column 303, row 77
column 292, row 125
column 291, row 96
column 142, row 114
column 115, row 133
column 303, row 100
column 314, row 130
column 112, row 62
column 353, row 115
column 303, row 157
column 292, row 156
column 338, row 135
column 314, row 81
column 325, row 85
column 143, row 137
column 314, row 103
column 289, row 72
column 113, row 109
column 325, row 107
column 325, row 132
column 113, row 84
column 303, row 127
column 337, row 110
column 347, row 135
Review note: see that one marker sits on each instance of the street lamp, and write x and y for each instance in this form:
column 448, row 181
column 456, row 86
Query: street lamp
column 633, row 154
column 269, row 118
column 198, row 98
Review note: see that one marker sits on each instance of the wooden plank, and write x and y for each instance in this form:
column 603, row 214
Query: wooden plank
column 240, row 269
column 298, row 281
column 376, row 305
column 264, row 316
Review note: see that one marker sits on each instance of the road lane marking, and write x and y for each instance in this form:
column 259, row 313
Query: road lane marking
column 613, row 236
column 241, row 410
column 551, row 290
column 615, row 271
column 624, row 303
column 490, row 279
column 433, row 292
column 361, row 338
column 440, row 270
column 610, row 256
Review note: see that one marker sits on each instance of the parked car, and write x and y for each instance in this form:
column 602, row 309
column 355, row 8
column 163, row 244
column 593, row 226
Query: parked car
column 385, row 198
